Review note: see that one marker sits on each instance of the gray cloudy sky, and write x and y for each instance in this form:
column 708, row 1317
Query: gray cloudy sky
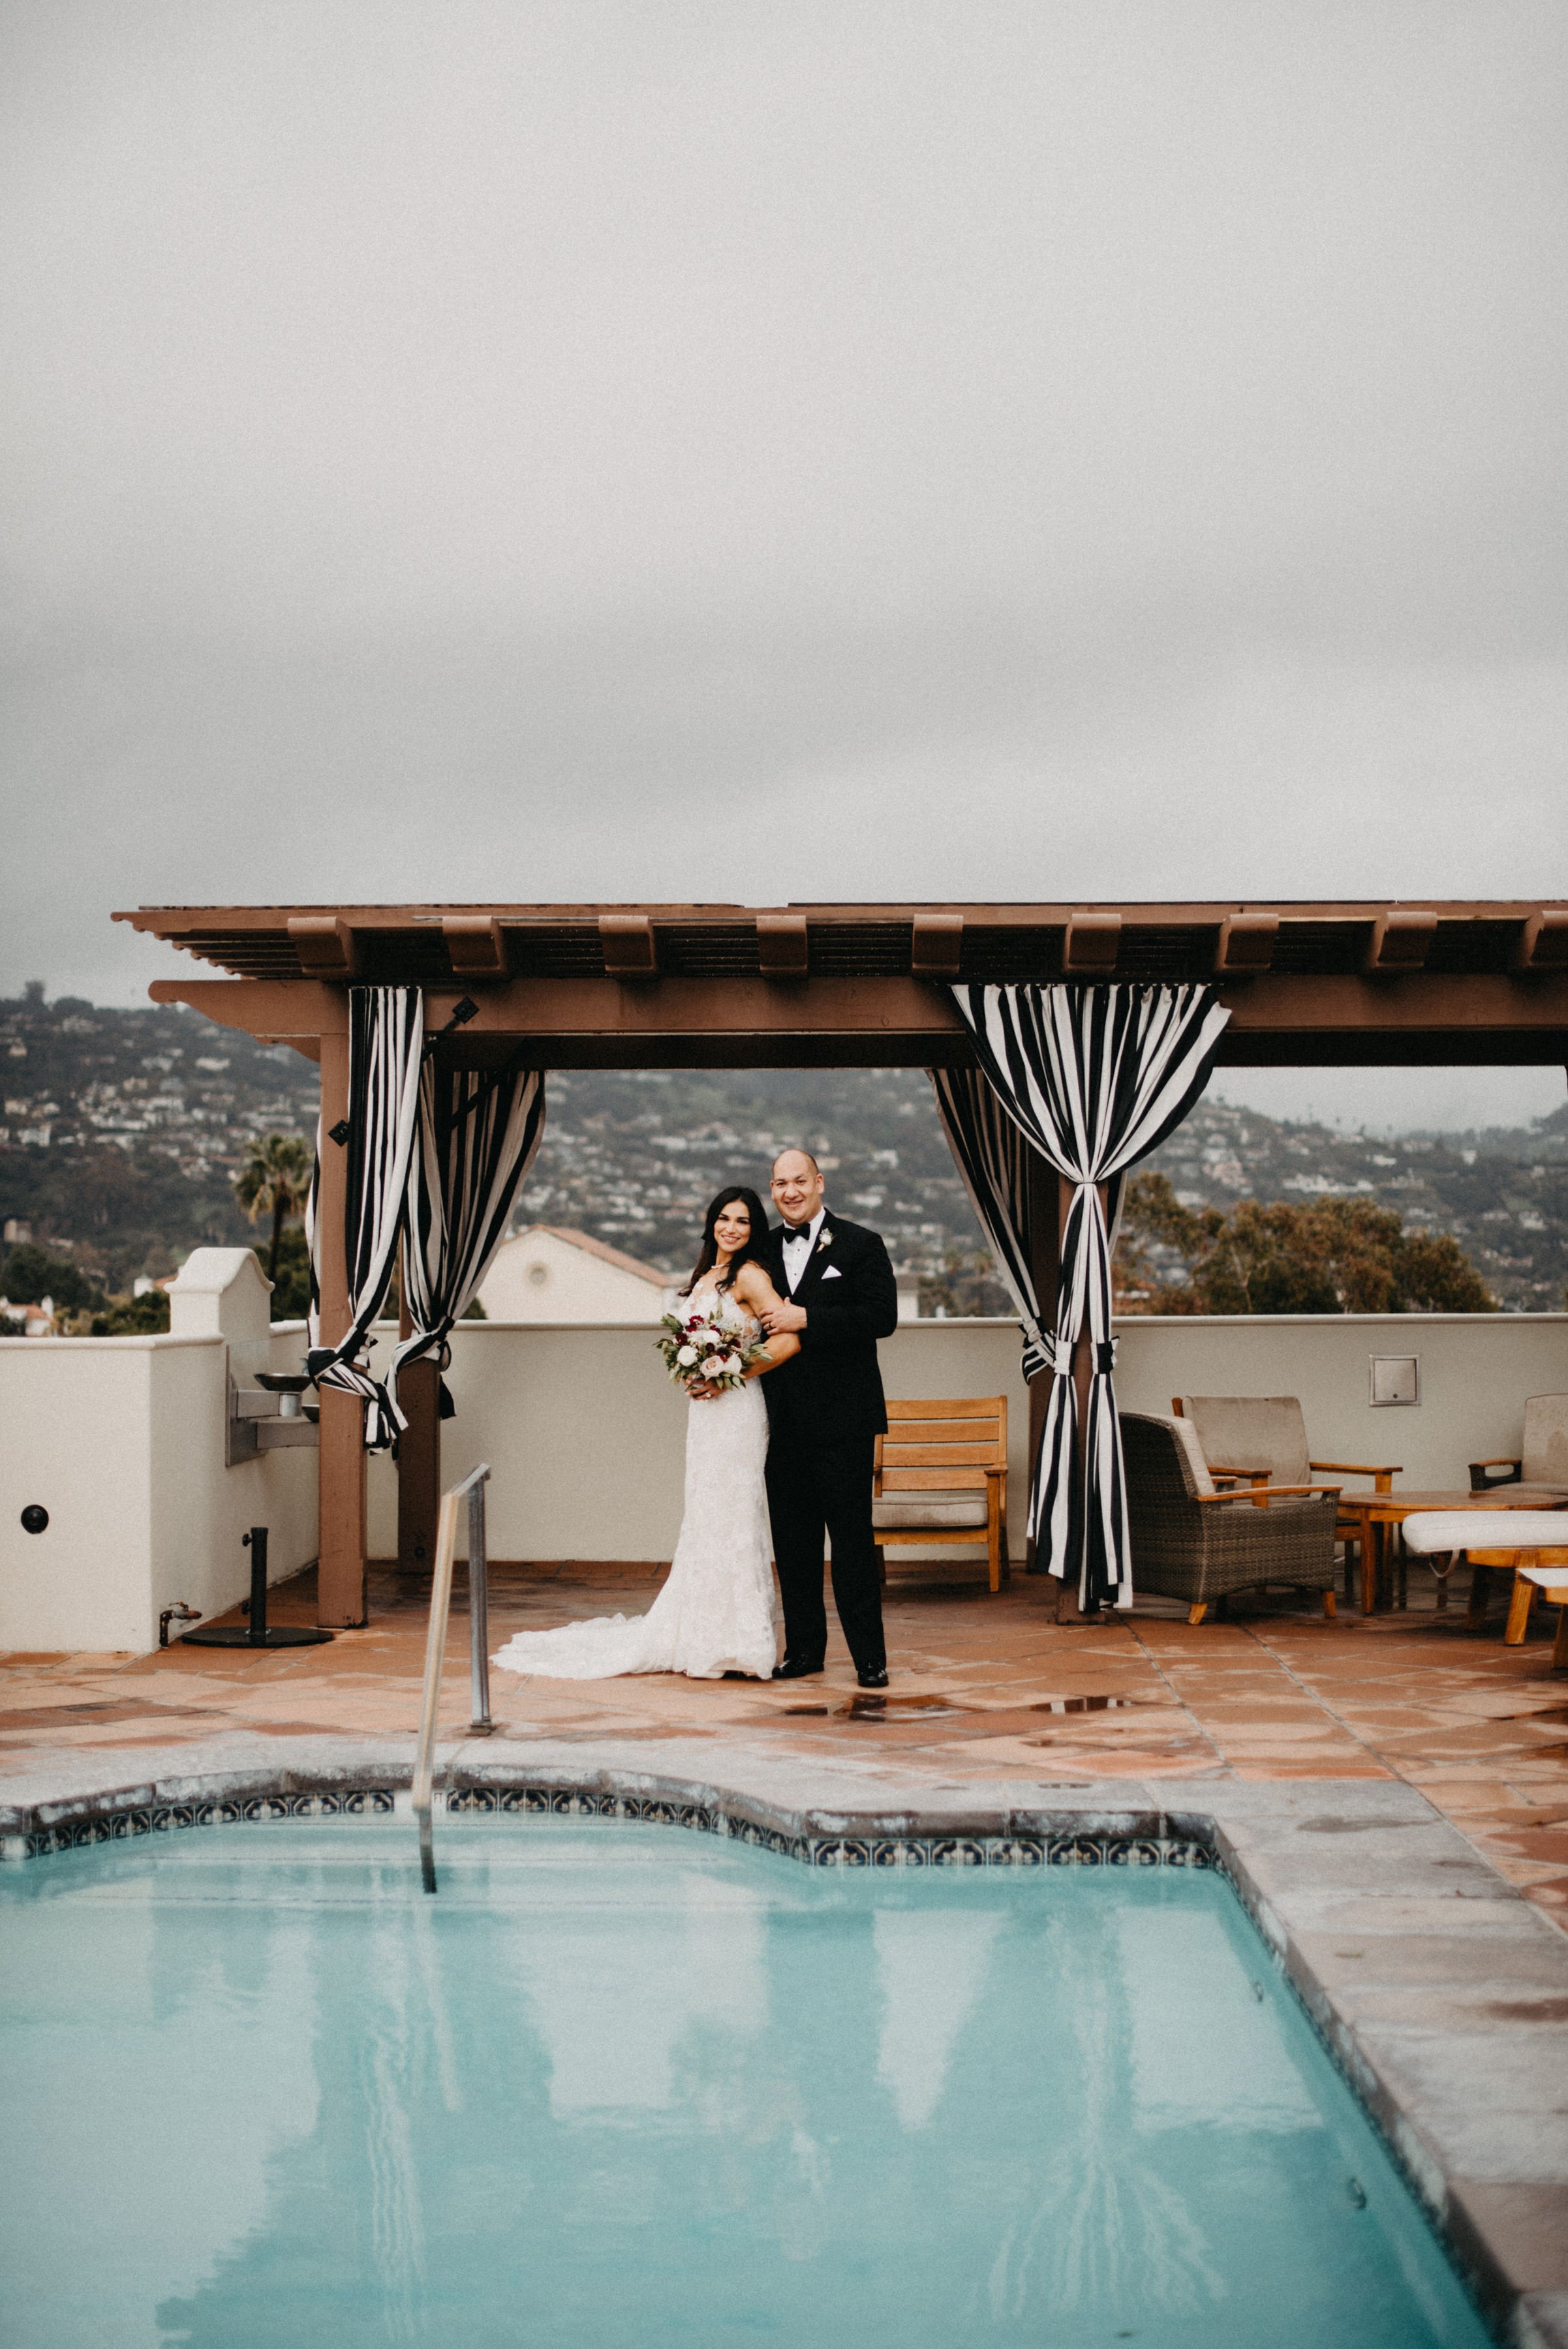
column 469, row 451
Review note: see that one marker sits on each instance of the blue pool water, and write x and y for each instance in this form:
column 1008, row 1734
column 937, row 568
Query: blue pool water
column 626, row 2085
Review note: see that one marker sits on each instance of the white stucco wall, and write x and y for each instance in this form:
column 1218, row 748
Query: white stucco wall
column 585, row 1433
column 1476, row 1373
column 122, row 1440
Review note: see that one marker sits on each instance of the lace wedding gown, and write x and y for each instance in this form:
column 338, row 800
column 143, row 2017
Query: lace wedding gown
column 718, row 1612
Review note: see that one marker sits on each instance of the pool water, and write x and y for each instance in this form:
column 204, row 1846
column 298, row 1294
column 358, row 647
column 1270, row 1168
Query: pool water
column 631, row 2085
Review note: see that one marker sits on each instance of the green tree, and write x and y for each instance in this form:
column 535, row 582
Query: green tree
column 133, row 1317
column 291, row 1281
column 30, row 1274
column 966, row 1286
column 1335, row 1255
column 275, row 1181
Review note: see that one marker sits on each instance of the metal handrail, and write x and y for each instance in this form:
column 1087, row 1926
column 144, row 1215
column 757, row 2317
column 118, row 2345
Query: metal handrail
column 472, row 1489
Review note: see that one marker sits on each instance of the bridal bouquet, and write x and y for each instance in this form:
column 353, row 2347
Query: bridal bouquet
column 698, row 1350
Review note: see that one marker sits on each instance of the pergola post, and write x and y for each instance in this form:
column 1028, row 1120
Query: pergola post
column 1046, row 1263
column 340, row 1540
column 418, row 1458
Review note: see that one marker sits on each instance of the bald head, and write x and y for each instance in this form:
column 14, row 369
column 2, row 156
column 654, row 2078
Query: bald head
column 796, row 1186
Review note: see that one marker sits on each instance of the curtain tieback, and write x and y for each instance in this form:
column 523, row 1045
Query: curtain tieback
column 1064, row 1349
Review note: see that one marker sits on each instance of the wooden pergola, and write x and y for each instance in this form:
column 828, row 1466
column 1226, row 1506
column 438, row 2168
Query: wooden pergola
column 683, row 986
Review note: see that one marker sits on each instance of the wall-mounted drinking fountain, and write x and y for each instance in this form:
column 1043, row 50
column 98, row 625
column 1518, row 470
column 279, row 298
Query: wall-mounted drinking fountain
column 271, row 1416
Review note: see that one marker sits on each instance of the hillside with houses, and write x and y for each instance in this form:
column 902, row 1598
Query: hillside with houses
column 121, row 1131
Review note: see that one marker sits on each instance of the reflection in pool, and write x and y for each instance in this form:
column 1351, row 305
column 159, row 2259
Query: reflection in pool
column 628, row 2084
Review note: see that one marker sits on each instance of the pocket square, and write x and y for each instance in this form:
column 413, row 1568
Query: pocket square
column 833, row 1273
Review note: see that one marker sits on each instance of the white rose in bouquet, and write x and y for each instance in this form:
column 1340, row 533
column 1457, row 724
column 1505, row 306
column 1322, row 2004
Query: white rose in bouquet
column 712, row 1366
column 686, row 1356
column 732, row 1363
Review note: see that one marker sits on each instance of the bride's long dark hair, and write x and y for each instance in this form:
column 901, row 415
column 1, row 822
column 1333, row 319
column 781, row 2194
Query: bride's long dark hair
column 708, row 1253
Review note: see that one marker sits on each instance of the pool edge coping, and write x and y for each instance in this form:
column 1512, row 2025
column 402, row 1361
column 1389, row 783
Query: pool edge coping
column 1300, row 1855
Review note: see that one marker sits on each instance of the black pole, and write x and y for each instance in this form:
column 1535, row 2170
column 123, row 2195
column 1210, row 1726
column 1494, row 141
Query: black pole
column 255, row 1541
column 257, row 1632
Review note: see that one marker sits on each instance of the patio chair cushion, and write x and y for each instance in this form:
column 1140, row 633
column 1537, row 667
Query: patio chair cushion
column 1191, row 1450
column 1544, row 1451
column 1252, row 1432
column 929, row 1509
column 1440, row 1529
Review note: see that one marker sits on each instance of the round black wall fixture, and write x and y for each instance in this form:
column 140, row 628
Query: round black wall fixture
column 34, row 1519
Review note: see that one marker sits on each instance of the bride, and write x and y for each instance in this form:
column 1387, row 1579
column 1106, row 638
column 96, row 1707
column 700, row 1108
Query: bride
column 718, row 1612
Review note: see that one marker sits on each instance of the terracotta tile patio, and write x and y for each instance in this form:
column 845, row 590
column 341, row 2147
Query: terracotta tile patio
column 982, row 1688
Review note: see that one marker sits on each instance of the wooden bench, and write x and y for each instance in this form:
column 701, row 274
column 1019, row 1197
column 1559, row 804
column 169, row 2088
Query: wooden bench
column 941, row 1477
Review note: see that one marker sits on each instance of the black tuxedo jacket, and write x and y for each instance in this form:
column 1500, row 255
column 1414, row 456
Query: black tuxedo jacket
column 831, row 1391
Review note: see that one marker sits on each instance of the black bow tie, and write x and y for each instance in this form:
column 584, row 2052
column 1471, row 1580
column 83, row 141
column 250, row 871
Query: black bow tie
column 796, row 1232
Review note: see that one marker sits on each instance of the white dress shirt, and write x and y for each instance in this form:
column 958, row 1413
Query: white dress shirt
column 797, row 1247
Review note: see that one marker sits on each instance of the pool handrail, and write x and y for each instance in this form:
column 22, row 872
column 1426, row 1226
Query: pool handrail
column 471, row 1489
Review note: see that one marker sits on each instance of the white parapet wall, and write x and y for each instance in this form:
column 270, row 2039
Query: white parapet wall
column 123, row 1442
column 585, row 1433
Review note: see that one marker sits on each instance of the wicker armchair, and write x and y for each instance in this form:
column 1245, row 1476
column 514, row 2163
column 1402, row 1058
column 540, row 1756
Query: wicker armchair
column 1191, row 1542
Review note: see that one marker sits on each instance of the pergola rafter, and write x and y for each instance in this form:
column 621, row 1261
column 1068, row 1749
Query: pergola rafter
column 1307, row 984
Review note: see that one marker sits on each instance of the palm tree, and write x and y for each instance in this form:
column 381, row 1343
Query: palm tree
column 275, row 1181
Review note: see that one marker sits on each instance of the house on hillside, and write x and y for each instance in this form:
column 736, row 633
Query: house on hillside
column 550, row 1273
column 27, row 1320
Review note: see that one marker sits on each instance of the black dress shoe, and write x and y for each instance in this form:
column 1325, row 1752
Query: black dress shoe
column 797, row 1668
column 876, row 1678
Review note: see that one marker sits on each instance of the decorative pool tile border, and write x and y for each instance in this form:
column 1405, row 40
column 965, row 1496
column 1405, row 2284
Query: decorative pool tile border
column 223, row 1811
column 845, row 1851
column 906, row 1850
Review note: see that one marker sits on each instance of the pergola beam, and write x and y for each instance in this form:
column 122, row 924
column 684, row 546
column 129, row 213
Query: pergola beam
column 1420, row 1018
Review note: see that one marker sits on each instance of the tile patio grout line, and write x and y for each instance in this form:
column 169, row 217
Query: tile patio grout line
column 1383, row 1760
column 1163, row 1676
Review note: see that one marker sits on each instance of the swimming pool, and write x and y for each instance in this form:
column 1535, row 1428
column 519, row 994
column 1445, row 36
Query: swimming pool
column 627, row 2084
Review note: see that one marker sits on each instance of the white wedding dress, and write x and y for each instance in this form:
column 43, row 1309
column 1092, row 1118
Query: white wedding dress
column 718, row 1612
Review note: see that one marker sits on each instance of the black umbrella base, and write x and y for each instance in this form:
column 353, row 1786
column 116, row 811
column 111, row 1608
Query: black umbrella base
column 240, row 1635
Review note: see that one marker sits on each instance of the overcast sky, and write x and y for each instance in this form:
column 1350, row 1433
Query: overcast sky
column 697, row 450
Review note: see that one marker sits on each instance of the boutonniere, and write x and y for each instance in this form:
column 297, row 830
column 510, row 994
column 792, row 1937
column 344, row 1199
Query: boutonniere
column 825, row 1240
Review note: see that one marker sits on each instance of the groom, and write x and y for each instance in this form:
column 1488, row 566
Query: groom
column 824, row 1413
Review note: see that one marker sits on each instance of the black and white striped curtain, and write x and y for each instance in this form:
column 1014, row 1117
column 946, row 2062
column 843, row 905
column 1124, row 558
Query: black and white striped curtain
column 992, row 1157
column 1095, row 1077
column 478, row 1133
column 386, row 1043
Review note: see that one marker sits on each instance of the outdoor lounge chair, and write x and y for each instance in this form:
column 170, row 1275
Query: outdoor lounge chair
column 1540, row 1472
column 1266, row 1435
column 1191, row 1541
column 942, row 1477
column 1533, row 1542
